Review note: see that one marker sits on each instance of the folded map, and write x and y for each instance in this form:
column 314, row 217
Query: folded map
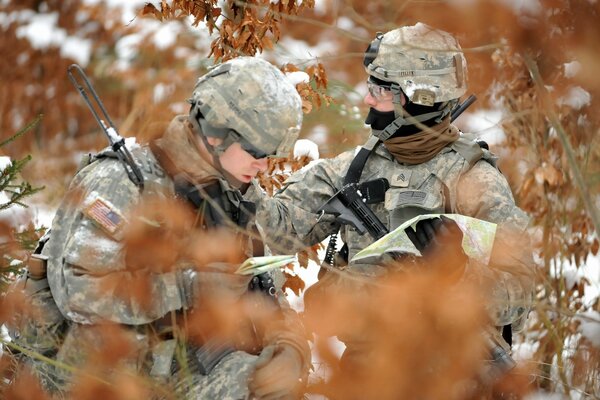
column 478, row 239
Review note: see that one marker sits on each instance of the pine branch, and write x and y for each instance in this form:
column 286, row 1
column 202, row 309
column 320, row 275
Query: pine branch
column 17, row 192
column 23, row 130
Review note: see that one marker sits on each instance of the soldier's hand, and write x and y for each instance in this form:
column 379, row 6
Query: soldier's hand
column 440, row 242
column 278, row 373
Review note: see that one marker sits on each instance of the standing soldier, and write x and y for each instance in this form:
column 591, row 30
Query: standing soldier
column 416, row 75
column 241, row 112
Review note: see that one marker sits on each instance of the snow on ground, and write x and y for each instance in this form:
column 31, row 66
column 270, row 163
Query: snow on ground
column 3, row 337
column 589, row 273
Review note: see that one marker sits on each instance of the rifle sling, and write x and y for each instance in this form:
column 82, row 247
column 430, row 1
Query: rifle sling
column 358, row 163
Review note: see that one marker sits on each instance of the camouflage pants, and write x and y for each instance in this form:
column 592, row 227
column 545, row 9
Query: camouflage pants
column 227, row 381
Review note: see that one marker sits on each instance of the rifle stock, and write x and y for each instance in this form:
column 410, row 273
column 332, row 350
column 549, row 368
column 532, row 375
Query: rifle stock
column 348, row 206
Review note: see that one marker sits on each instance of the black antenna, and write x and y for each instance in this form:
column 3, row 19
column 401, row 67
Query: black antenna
column 117, row 142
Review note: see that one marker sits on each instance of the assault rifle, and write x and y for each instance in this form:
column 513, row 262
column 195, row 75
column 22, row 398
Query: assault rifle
column 462, row 107
column 349, row 206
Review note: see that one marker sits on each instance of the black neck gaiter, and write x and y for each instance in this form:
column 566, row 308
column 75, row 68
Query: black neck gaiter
column 379, row 119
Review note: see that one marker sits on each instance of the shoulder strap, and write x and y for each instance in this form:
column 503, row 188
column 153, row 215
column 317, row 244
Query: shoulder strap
column 468, row 149
column 215, row 211
column 210, row 216
column 358, row 162
column 473, row 149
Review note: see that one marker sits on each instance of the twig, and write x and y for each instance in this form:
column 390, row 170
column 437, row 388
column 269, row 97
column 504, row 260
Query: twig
column 560, row 131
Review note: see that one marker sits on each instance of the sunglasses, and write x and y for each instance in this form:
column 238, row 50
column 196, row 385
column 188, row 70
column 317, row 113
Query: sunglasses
column 378, row 92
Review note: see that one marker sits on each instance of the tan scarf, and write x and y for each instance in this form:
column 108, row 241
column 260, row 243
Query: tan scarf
column 423, row 146
column 180, row 154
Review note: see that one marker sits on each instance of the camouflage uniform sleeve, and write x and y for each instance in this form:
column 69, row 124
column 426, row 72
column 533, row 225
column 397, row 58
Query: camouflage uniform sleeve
column 484, row 193
column 290, row 218
column 87, row 272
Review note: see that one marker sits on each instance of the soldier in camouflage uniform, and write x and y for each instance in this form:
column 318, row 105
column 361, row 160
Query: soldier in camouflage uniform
column 416, row 76
column 242, row 111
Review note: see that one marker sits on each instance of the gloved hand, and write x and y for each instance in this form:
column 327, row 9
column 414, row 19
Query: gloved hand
column 440, row 242
column 218, row 282
column 278, row 373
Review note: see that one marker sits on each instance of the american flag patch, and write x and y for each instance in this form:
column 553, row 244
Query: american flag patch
column 104, row 215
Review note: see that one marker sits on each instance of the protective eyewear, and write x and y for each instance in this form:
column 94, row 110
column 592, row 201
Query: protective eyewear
column 378, row 92
column 252, row 150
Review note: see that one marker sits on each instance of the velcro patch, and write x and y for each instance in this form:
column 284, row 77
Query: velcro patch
column 105, row 216
column 401, row 179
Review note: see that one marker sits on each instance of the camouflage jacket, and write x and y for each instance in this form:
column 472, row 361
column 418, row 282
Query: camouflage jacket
column 83, row 257
column 86, row 253
column 478, row 190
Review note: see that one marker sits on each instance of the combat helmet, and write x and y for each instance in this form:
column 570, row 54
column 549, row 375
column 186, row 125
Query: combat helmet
column 425, row 64
column 250, row 101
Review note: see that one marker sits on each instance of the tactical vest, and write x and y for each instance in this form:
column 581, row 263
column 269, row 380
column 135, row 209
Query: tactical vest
column 413, row 190
column 432, row 191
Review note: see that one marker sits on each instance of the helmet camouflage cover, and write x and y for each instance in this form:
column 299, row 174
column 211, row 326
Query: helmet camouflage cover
column 249, row 100
column 427, row 63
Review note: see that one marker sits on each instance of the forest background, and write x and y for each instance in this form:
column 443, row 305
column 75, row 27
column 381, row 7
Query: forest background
column 532, row 64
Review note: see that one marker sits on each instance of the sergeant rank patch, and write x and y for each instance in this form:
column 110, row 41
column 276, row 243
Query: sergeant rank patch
column 105, row 215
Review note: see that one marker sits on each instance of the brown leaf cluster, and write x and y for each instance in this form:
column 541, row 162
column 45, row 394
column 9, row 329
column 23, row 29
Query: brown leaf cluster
column 278, row 170
column 107, row 365
column 24, row 386
column 160, row 237
column 122, row 386
column 157, row 234
column 419, row 337
column 547, row 189
column 312, row 96
column 37, row 82
column 249, row 26
column 15, row 307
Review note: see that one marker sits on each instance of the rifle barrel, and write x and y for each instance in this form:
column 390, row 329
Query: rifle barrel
column 462, row 107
